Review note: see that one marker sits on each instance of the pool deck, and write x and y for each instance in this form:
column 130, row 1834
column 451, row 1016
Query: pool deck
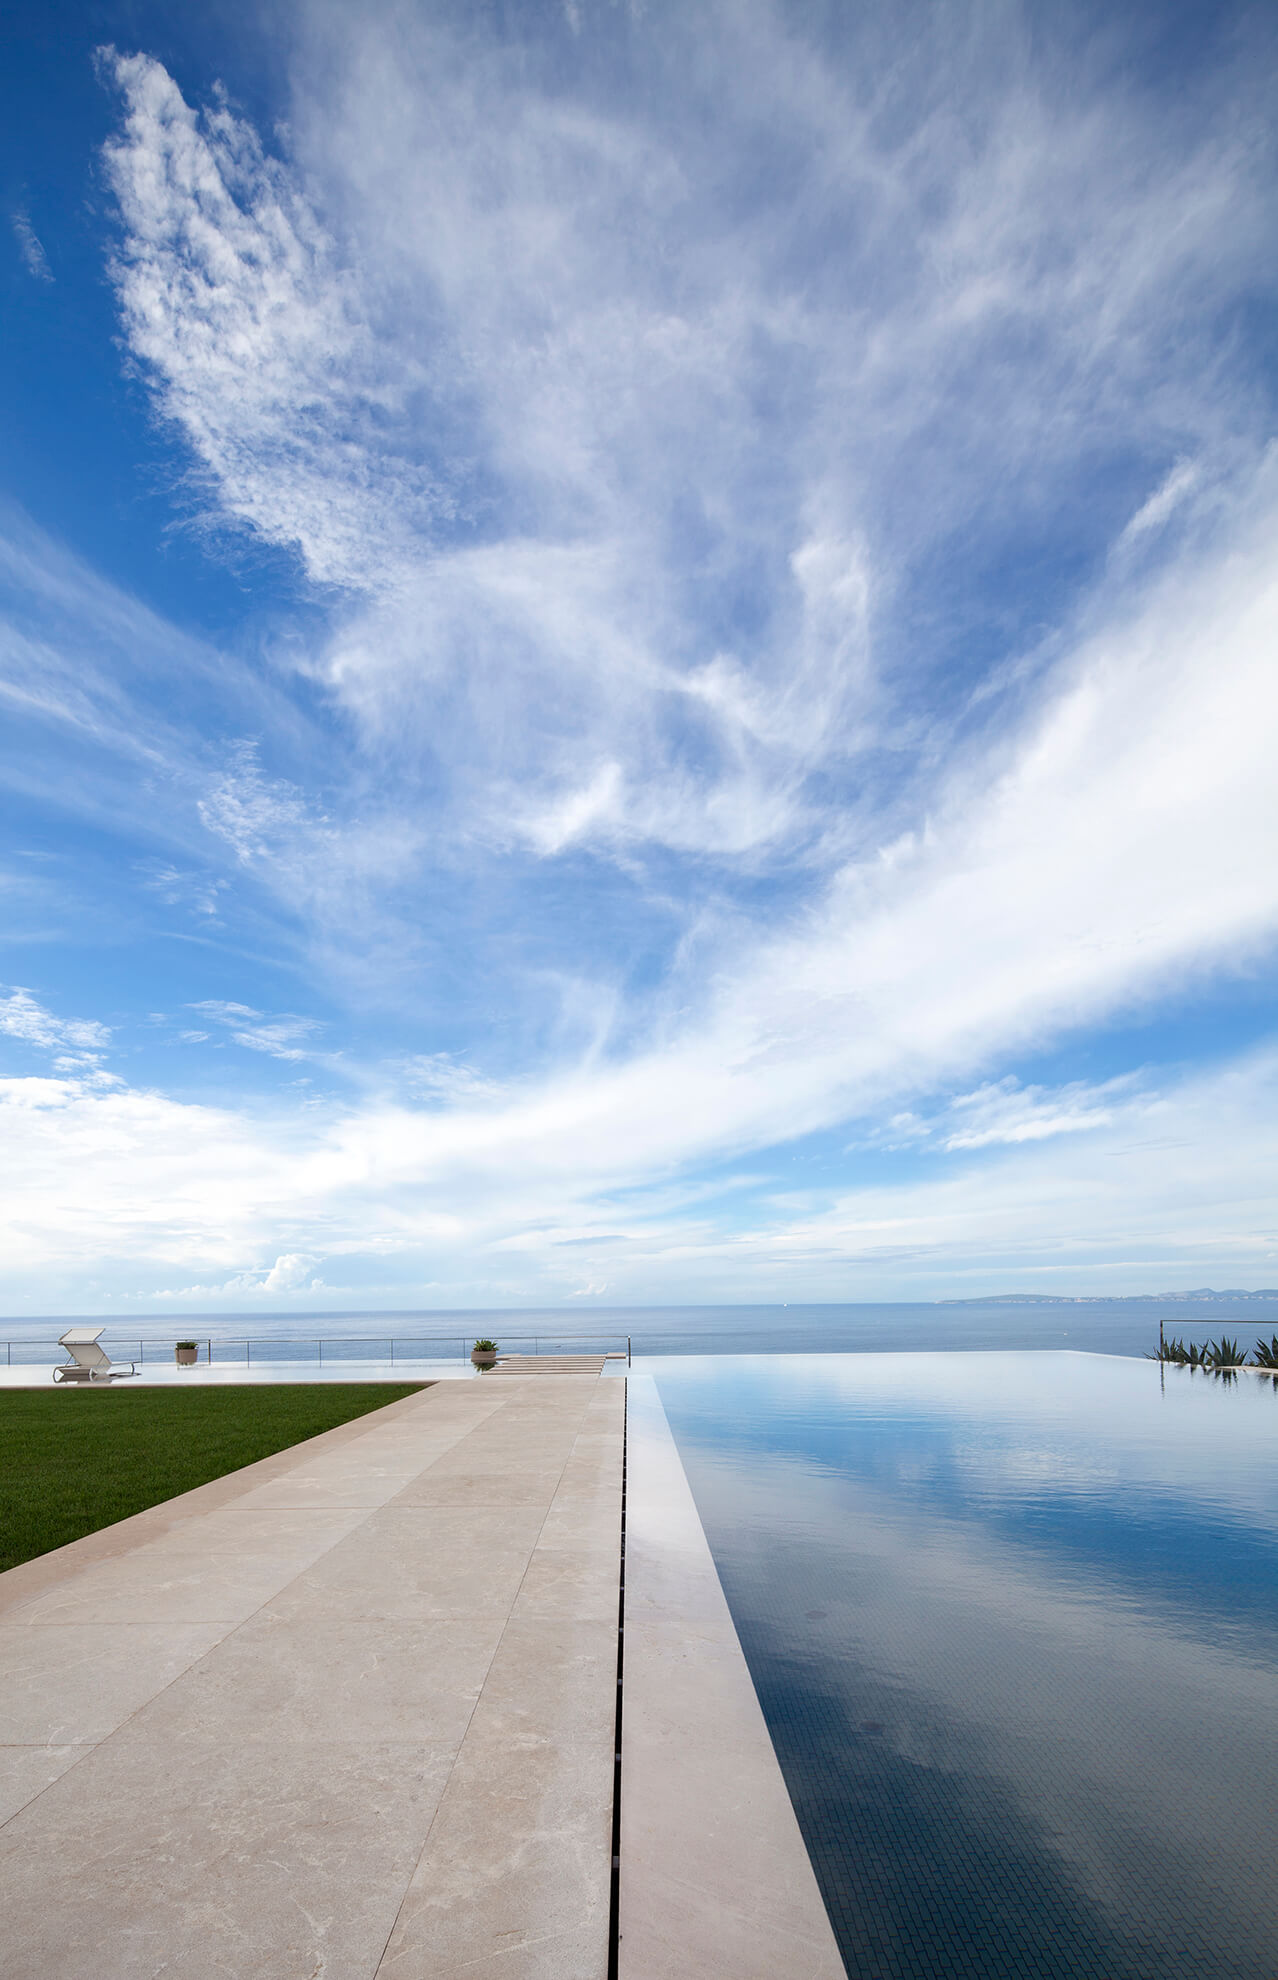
column 350, row 1713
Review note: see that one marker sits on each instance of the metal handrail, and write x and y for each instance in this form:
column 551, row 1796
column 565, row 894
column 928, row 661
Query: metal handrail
column 295, row 1344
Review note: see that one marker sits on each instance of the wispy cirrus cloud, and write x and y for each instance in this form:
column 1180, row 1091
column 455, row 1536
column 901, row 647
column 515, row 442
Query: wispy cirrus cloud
column 236, row 299
column 677, row 575
column 30, row 246
column 279, row 1037
column 78, row 1041
column 200, row 892
column 253, row 813
column 1005, row 1112
column 779, row 635
column 449, row 1082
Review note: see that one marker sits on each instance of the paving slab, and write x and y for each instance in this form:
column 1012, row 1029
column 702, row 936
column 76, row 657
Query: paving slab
column 347, row 1713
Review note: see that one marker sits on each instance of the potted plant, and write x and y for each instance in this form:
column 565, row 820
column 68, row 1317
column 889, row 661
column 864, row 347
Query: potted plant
column 186, row 1353
column 484, row 1354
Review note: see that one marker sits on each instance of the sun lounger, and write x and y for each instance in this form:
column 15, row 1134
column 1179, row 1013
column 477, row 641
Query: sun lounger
column 89, row 1362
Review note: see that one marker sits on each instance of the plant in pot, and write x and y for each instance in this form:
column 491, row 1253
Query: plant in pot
column 484, row 1354
column 186, row 1353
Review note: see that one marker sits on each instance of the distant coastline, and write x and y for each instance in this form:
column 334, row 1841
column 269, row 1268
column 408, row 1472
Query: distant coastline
column 1204, row 1293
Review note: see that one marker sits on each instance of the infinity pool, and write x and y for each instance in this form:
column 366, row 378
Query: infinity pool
column 1013, row 1619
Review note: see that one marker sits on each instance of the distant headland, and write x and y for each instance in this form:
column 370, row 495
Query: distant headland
column 1204, row 1293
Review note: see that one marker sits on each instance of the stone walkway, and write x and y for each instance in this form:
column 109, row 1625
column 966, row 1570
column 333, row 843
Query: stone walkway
column 347, row 1713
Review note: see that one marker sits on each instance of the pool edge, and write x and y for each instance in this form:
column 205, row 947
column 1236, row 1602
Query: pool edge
column 715, row 1877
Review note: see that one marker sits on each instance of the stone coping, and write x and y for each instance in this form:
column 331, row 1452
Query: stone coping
column 716, row 1881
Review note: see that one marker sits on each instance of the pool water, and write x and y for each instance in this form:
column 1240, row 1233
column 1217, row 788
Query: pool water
column 1013, row 1620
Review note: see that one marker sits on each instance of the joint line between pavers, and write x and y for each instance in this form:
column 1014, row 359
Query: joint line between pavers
column 614, row 1906
column 39, row 1794
column 234, row 1629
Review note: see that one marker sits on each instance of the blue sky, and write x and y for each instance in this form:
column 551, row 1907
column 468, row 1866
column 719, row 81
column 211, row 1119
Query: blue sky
column 637, row 654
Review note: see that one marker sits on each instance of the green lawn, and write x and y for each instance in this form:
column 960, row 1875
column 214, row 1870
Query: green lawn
column 72, row 1460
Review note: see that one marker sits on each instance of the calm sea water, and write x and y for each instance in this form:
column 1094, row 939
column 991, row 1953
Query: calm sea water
column 1013, row 1619
column 1106, row 1327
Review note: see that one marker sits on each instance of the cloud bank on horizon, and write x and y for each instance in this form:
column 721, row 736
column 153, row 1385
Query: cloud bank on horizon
column 658, row 682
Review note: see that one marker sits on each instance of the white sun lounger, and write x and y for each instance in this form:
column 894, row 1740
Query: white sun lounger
column 89, row 1362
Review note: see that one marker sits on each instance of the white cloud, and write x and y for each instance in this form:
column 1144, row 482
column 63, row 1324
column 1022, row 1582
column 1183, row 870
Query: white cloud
column 235, row 297
column 1174, row 1186
column 87, row 680
column 649, row 611
column 291, row 1270
column 440, row 1077
column 1164, row 501
column 279, row 1037
column 30, row 247
column 87, row 683
column 202, row 893
column 570, row 817
column 1004, row 1111
column 22, row 1017
column 250, row 811
column 1123, row 847
column 687, row 738
column 291, row 1273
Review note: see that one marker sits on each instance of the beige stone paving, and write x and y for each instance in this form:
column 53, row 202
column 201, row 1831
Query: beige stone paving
column 348, row 1713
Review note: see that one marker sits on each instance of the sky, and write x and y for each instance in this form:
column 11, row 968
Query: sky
column 638, row 653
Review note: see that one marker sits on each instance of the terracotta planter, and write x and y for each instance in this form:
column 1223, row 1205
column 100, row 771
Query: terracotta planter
column 186, row 1357
column 484, row 1357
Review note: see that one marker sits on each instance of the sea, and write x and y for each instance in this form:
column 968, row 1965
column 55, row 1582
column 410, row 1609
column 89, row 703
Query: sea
column 1102, row 1326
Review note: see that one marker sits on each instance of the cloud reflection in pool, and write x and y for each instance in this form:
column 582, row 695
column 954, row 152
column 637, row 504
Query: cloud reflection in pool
column 1013, row 1619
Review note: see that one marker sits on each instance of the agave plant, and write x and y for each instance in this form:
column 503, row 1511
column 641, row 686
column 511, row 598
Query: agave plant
column 1210, row 1354
column 1267, row 1357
